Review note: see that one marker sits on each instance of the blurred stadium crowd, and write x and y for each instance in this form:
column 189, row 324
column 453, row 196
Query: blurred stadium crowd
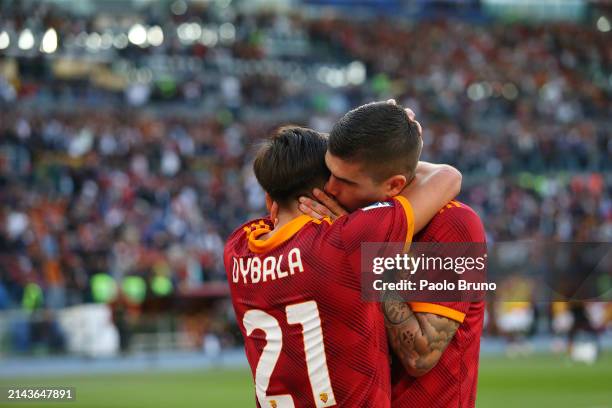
column 125, row 143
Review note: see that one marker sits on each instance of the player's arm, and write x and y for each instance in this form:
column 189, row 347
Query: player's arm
column 420, row 332
column 418, row 339
column 432, row 187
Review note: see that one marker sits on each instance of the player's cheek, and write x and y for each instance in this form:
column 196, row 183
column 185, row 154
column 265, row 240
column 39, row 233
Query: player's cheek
column 344, row 198
column 358, row 198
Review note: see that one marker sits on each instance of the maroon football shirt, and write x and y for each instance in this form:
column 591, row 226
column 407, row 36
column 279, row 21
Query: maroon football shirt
column 452, row 382
column 309, row 338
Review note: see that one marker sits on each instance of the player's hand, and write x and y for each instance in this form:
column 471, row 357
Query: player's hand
column 326, row 206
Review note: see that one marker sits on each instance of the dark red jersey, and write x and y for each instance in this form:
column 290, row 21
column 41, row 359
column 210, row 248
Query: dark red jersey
column 309, row 338
column 452, row 382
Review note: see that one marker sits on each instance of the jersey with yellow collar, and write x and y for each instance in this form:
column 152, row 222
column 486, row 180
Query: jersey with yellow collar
column 309, row 338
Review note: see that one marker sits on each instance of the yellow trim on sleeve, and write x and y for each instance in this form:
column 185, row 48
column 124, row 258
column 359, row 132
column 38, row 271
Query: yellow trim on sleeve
column 439, row 310
column 409, row 219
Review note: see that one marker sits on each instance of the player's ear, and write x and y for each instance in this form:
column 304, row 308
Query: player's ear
column 274, row 213
column 395, row 184
column 269, row 201
column 272, row 207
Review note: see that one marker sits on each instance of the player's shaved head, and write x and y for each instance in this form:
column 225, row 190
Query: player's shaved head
column 291, row 162
column 381, row 137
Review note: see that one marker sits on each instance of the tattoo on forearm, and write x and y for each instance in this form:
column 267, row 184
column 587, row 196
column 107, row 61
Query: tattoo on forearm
column 418, row 339
column 395, row 313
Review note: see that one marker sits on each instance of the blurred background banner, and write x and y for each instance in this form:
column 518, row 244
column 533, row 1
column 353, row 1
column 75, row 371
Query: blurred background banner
column 126, row 135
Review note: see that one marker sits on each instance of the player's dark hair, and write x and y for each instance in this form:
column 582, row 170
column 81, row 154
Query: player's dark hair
column 291, row 162
column 381, row 136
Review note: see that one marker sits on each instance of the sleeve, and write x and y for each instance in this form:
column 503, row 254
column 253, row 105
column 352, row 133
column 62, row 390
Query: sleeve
column 455, row 223
column 386, row 221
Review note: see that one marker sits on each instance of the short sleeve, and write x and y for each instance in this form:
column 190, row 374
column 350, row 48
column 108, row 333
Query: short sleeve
column 456, row 222
column 386, row 221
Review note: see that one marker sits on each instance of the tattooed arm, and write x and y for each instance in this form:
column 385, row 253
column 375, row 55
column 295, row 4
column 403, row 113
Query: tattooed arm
column 418, row 339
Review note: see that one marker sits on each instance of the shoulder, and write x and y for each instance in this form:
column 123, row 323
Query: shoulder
column 384, row 221
column 379, row 209
column 458, row 209
column 373, row 216
column 457, row 221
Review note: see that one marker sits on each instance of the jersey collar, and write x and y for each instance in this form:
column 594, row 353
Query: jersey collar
column 287, row 231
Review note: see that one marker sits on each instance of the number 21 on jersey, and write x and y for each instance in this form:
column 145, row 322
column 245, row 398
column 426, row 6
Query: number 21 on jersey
column 307, row 315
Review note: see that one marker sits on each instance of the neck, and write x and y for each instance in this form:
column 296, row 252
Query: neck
column 287, row 214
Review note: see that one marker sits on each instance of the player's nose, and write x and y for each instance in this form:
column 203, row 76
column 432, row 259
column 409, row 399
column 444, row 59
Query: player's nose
column 331, row 187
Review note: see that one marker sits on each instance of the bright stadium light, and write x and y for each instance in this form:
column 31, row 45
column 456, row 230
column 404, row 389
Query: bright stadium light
column 138, row 35
column 106, row 40
column 181, row 31
column 120, row 41
column 227, row 32
column 322, row 74
column 194, row 31
column 209, row 37
column 189, row 32
column 155, row 36
column 26, row 40
column 331, row 76
column 603, row 24
column 49, row 41
column 356, row 73
column 94, row 42
column 551, row 92
column 488, row 89
column 336, row 79
column 5, row 40
column 81, row 39
column 178, row 8
column 476, row 91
